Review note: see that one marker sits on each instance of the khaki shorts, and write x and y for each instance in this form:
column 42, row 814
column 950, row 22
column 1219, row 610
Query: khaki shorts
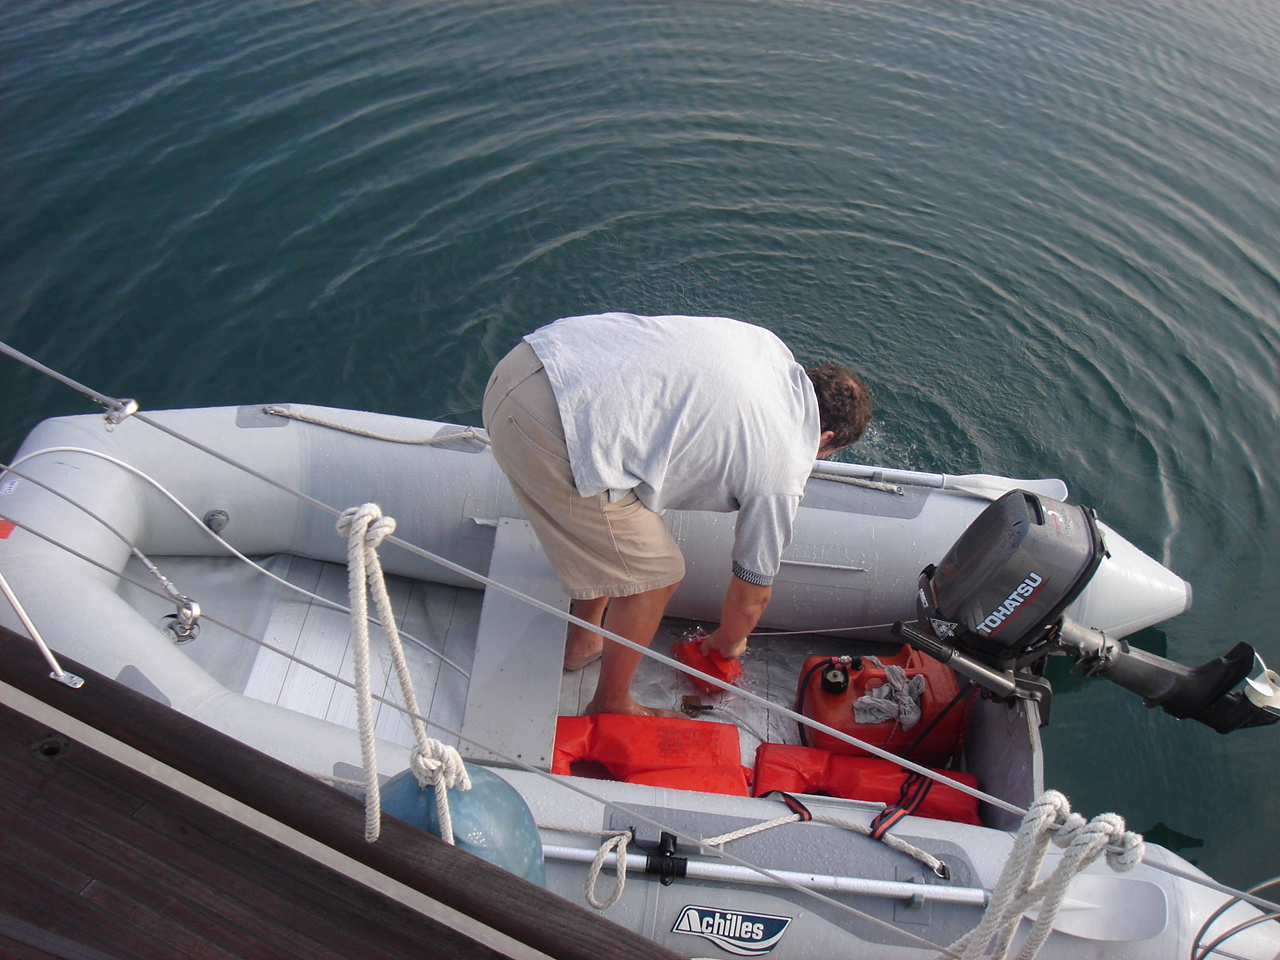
column 597, row 548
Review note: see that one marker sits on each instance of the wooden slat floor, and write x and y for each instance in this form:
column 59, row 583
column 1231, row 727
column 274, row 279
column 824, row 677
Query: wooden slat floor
column 441, row 616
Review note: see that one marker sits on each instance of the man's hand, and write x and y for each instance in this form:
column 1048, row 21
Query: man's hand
column 727, row 646
column 744, row 604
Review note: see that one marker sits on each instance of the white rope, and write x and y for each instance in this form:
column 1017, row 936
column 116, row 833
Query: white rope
column 1049, row 817
column 615, row 840
column 432, row 762
column 470, row 433
column 860, row 482
column 889, row 840
column 119, row 409
column 724, row 838
column 616, row 843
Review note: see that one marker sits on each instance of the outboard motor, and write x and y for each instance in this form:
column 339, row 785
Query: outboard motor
column 992, row 609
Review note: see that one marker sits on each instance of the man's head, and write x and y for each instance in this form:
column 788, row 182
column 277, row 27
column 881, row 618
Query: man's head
column 844, row 405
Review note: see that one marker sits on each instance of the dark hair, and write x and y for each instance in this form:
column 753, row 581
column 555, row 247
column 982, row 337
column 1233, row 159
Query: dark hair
column 844, row 402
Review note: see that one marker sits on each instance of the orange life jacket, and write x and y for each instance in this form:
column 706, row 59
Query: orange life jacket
column 810, row 770
column 659, row 751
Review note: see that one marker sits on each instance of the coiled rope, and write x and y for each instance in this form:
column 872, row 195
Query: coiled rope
column 1049, row 818
column 433, row 763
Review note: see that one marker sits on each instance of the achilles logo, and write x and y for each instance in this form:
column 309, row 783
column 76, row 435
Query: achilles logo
column 1002, row 614
column 746, row 934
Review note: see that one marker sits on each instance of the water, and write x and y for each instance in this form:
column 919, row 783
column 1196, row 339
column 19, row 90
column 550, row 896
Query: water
column 1046, row 232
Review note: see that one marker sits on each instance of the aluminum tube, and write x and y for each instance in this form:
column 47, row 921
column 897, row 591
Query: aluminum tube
column 732, row 873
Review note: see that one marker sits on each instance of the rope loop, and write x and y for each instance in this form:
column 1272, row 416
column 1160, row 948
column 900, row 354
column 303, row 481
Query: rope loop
column 617, row 843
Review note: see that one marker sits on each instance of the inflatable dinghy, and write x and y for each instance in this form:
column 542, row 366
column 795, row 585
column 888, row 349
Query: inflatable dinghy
column 192, row 555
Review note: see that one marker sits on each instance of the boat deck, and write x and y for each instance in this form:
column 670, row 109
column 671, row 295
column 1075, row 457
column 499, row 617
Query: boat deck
column 99, row 861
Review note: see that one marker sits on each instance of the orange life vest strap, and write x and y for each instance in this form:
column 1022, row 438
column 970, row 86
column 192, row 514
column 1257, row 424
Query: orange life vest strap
column 791, row 769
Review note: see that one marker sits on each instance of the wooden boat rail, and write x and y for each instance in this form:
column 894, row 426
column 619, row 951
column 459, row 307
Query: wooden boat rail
column 102, row 859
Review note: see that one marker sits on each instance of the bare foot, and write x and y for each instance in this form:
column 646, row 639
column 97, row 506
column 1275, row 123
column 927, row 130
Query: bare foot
column 633, row 709
column 581, row 648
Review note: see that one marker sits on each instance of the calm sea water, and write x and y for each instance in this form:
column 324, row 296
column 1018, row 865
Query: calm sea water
column 1046, row 231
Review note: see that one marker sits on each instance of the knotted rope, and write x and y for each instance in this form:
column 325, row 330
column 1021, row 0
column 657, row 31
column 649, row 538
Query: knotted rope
column 618, row 842
column 433, row 763
column 1049, row 817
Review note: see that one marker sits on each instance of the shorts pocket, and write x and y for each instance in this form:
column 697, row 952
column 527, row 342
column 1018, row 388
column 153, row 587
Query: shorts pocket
column 538, row 448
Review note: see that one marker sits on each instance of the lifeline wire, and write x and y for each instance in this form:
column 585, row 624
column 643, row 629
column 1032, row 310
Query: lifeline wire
column 117, row 410
column 122, row 409
column 570, row 618
column 633, row 815
column 210, row 533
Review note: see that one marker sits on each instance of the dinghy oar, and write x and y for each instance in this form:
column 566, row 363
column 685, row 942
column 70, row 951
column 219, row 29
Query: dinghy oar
column 983, row 485
column 1102, row 908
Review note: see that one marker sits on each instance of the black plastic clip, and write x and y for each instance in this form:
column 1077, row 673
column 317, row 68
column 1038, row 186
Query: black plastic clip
column 661, row 860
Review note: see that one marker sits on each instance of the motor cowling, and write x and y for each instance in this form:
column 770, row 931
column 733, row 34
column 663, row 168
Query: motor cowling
column 994, row 605
column 1004, row 584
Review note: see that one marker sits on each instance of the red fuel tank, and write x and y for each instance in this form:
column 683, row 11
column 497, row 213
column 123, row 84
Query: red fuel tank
column 830, row 686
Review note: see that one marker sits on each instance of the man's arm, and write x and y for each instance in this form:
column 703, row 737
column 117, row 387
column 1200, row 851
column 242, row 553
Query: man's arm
column 744, row 604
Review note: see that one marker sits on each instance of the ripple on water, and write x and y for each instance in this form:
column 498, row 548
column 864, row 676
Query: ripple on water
column 1045, row 232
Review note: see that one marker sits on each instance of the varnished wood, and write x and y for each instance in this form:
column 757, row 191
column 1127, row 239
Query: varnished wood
column 97, row 855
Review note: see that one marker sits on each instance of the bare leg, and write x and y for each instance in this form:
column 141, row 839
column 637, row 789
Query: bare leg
column 583, row 646
column 636, row 618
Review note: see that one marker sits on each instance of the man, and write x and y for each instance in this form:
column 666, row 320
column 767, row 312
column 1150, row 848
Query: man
column 603, row 422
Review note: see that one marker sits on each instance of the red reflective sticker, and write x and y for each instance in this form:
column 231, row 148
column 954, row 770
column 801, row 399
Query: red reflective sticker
column 6, row 528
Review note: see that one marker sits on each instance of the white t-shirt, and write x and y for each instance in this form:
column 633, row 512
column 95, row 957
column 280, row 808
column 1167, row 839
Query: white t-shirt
column 692, row 413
